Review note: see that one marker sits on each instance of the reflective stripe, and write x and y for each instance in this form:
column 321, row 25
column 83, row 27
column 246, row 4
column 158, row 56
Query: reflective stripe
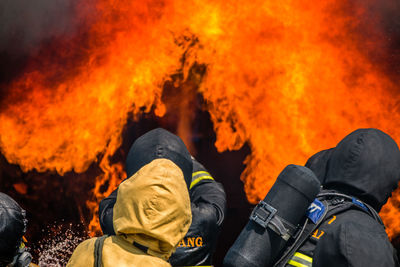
column 199, row 179
column 300, row 260
column 297, row 264
column 201, row 175
column 303, row 256
column 200, row 172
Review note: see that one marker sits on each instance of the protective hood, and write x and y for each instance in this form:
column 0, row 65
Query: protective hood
column 365, row 164
column 153, row 208
column 319, row 163
column 159, row 143
column 12, row 227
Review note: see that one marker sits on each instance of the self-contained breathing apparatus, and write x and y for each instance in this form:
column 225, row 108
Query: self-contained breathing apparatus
column 275, row 219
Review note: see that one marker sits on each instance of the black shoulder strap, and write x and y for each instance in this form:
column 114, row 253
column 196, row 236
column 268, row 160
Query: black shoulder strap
column 356, row 204
column 302, row 236
column 98, row 251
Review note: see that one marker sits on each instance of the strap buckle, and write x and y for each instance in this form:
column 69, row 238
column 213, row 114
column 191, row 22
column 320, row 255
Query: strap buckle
column 263, row 214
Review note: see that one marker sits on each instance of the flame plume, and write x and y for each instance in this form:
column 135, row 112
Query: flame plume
column 289, row 78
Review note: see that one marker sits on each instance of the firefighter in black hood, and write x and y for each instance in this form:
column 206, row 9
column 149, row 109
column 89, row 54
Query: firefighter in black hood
column 319, row 163
column 12, row 228
column 208, row 200
column 341, row 226
column 358, row 177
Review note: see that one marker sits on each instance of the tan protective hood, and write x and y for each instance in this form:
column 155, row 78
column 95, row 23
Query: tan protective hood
column 153, row 208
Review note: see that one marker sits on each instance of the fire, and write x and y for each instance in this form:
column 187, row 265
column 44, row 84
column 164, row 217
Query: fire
column 113, row 175
column 67, row 117
column 289, row 78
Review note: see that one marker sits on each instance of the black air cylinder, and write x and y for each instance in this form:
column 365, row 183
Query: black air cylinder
column 293, row 191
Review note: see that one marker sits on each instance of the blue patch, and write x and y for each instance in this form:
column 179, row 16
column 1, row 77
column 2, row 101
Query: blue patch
column 315, row 211
column 359, row 203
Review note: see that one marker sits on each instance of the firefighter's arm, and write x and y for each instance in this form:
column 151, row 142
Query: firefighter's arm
column 205, row 191
column 106, row 213
column 208, row 204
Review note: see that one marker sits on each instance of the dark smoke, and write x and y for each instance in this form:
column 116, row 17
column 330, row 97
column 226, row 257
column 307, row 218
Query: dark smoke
column 25, row 26
column 39, row 36
column 383, row 19
column 374, row 27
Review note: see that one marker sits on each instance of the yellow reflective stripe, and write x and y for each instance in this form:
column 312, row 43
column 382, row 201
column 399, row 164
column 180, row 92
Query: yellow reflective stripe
column 300, row 260
column 302, row 256
column 199, row 172
column 199, row 179
column 297, row 264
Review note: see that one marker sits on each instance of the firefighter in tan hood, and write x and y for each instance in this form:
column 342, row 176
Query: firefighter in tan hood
column 152, row 211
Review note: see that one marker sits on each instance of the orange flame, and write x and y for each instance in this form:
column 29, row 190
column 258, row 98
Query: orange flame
column 112, row 176
column 289, row 78
column 67, row 117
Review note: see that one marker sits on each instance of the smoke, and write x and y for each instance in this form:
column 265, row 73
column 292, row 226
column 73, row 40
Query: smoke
column 389, row 24
column 377, row 33
column 25, row 26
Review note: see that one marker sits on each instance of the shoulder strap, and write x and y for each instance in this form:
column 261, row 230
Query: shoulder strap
column 308, row 228
column 98, row 251
column 356, row 204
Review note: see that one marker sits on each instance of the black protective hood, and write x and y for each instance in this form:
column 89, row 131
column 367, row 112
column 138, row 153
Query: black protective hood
column 319, row 163
column 155, row 144
column 12, row 227
column 365, row 164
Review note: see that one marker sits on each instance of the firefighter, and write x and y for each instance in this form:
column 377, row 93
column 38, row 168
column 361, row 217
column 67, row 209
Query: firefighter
column 342, row 226
column 152, row 211
column 12, row 229
column 360, row 175
column 319, row 163
column 208, row 205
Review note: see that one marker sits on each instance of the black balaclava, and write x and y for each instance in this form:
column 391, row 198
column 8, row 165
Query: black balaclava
column 12, row 228
column 159, row 143
column 365, row 164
